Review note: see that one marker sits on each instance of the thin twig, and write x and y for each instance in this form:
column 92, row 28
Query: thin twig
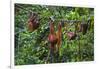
column 48, row 56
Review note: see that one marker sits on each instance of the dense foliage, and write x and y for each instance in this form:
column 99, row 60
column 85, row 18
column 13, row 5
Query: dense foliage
column 33, row 47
